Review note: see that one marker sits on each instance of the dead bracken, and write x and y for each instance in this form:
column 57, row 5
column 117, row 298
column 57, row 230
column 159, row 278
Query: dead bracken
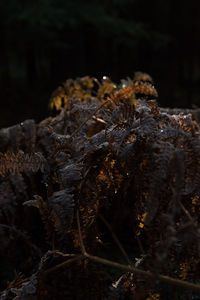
column 110, row 170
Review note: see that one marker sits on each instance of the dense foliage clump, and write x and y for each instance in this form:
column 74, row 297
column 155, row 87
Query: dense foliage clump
column 109, row 168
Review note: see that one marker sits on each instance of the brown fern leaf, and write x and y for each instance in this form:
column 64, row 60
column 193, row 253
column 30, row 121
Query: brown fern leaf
column 140, row 76
column 127, row 94
column 56, row 213
column 19, row 136
column 61, row 205
column 81, row 89
column 124, row 95
column 106, row 87
column 11, row 163
column 145, row 88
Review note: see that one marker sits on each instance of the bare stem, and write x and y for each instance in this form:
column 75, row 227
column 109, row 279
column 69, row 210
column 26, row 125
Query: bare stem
column 63, row 264
column 136, row 271
column 84, row 253
column 188, row 215
column 116, row 240
column 146, row 274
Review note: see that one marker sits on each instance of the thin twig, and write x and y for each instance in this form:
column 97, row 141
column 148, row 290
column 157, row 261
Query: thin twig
column 188, row 215
column 116, row 240
column 177, row 197
column 88, row 118
column 80, row 234
column 63, row 264
column 147, row 274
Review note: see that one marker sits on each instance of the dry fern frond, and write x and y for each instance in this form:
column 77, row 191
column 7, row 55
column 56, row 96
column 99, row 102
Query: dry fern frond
column 112, row 152
column 81, row 89
column 128, row 93
column 124, row 95
column 11, row 163
column 140, row 76
column 61, row 205
column 84, row 90
column 145, row 88
column 20, row 136
column 106, row 87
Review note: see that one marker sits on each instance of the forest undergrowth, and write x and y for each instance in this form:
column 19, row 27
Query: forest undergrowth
column 101, row 200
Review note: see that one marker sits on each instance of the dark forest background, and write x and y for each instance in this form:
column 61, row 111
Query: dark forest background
column 44, row 42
